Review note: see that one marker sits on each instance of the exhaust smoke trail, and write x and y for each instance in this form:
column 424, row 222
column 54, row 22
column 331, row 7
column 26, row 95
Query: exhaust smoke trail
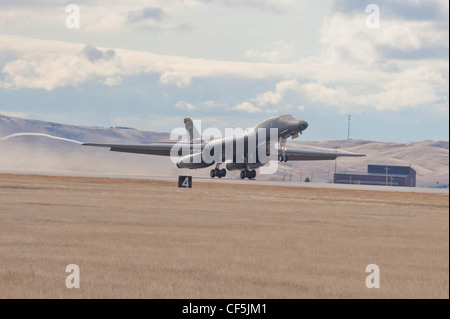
column 39, row 134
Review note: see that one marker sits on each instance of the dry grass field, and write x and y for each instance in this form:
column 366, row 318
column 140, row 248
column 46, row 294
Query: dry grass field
column 150, row 239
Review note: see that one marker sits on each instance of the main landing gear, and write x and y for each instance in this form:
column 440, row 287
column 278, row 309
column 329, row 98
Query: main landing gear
column 250, row 174
column 282, row 157
column 217, row 172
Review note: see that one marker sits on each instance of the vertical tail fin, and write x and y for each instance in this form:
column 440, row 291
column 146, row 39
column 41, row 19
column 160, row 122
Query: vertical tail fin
column 193, row 133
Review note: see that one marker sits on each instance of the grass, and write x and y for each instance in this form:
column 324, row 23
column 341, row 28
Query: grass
column 149, row 239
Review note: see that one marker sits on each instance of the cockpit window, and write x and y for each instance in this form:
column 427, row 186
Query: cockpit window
column 272, row 122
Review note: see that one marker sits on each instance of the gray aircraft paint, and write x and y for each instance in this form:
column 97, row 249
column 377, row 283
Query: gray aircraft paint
column 252, row 149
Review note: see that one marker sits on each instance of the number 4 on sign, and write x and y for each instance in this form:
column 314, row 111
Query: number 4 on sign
column 185, row 181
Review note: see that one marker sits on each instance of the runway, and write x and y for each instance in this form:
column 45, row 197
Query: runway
column 228, row 180
column 142, row 238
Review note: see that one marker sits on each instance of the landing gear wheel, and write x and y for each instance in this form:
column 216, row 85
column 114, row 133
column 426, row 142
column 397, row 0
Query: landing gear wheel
column 218, row 173
column 282, row 158
column 252, row 174
column 243, row 175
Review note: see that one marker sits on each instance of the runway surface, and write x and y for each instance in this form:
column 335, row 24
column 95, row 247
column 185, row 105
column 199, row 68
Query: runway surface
column 228, row 180
column 144, row 238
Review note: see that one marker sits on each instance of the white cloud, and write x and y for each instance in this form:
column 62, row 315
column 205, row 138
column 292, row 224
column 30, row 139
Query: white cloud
column 389, row 68
column 358, row 67
column 317, row 92
column 335, row 61
column 98, row 17
column 185, row 106
column 275, row 97
column 210, row 103
column 179, row 79
column 247, row 107
column 270, row 5
column 282, row 50
column 49, row 73
column 269, row 98
column 420, row 86
column 112, row 81
column 347, row 39
column 42, row 64
column 423, row 85
column 213, row 104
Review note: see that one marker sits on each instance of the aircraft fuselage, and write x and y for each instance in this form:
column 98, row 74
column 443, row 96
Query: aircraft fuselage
column 244, row 151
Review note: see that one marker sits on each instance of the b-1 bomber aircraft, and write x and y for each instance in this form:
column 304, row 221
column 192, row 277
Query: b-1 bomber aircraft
column 246, row 151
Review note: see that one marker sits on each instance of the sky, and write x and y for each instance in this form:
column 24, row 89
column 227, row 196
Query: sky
column 148, row 64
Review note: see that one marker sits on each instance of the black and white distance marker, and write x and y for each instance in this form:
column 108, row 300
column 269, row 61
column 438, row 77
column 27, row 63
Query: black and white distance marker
column 185, row 181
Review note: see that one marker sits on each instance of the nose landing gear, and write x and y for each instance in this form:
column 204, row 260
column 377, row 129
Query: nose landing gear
column 282, row 157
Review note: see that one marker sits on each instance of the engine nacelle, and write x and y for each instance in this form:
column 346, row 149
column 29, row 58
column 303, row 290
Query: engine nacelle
column 235, row 166
column 193, row 161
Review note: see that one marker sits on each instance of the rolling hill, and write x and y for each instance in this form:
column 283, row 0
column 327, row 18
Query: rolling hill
column 36, row 153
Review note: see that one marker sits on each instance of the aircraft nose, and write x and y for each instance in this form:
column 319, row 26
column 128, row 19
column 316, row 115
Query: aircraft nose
column 302, row 125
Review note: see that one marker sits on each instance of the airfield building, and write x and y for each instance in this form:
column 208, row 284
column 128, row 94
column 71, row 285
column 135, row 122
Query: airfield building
column 383, row 175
